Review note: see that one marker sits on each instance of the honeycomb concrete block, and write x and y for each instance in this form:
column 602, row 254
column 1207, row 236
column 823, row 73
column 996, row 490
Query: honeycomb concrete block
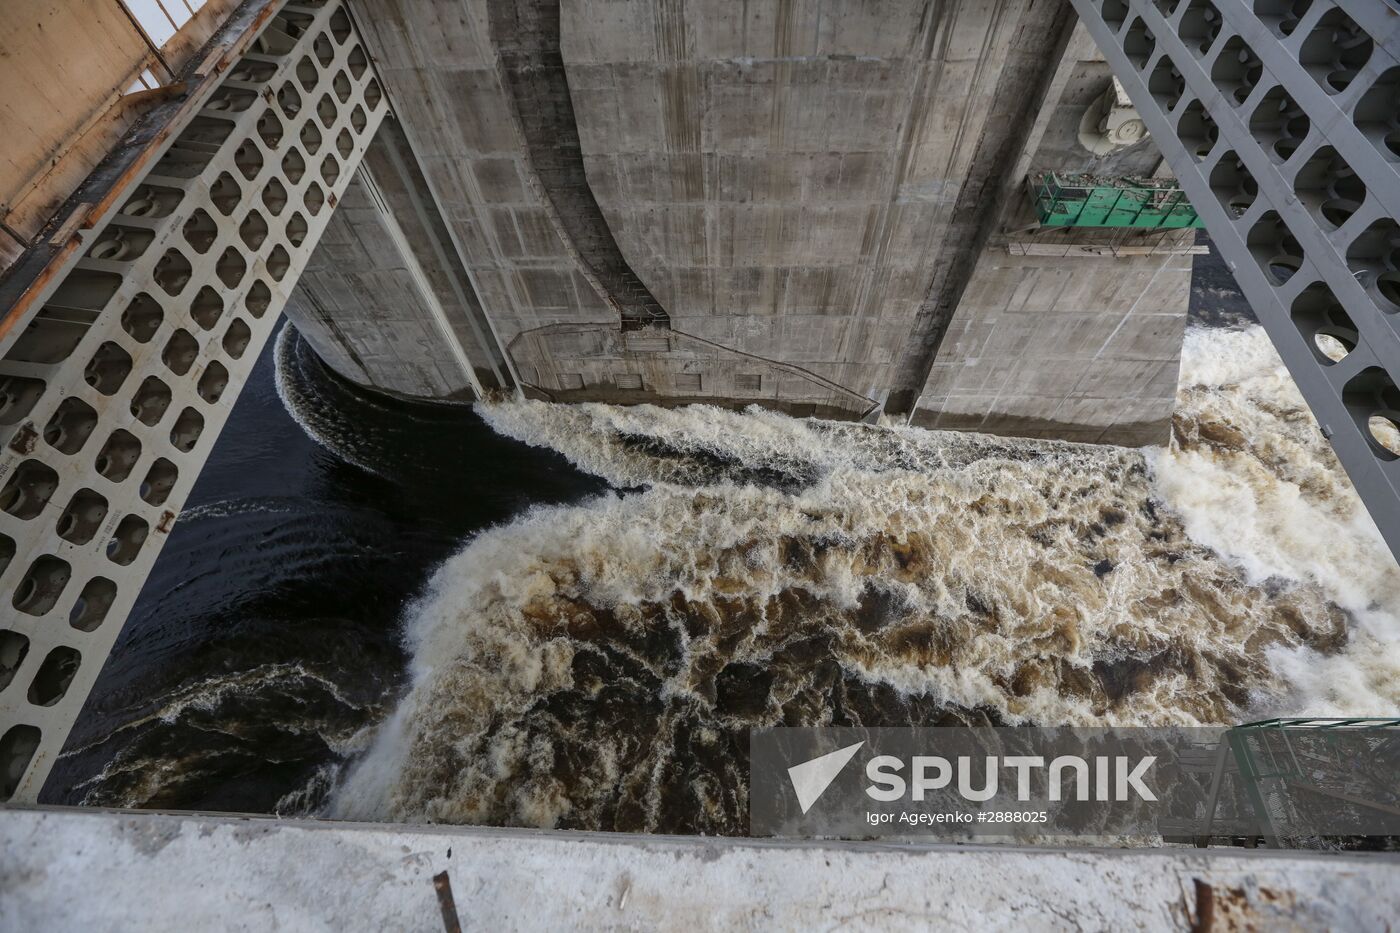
column 140, row 342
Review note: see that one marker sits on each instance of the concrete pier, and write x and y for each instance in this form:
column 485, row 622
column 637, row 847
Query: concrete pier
column 816, row 207
column 1071, row 333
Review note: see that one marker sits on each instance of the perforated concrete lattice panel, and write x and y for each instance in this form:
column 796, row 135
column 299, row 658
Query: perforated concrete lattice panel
column 1281, row 118
column 114, row 390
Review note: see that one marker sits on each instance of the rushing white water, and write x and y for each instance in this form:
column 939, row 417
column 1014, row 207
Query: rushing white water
column 599, row 665
column 1254, row 480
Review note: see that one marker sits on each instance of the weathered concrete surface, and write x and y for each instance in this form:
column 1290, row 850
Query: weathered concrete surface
column 821, row 184
column 384, row 300
column 1028, row 84
column 1079, row 347
column 590, row 364
column 526, row 36
column 784, row 177
column 93, row 870
column 441, row 72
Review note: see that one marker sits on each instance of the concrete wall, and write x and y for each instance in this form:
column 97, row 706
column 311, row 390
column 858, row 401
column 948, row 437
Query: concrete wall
column 441, row 72
column 84, row 869
column 1081, row 349
column 814, row 187
column 782, row 178
column 385, row 300
column 1084, row 346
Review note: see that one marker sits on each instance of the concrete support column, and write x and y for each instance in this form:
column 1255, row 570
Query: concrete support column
column 385, row 300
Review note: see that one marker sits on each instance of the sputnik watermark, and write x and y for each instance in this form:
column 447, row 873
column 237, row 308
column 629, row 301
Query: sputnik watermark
column 811, row 778
column 1177, row 783
column 1116, row 777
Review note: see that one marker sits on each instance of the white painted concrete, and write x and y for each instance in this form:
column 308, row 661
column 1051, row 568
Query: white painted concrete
column 96, row 870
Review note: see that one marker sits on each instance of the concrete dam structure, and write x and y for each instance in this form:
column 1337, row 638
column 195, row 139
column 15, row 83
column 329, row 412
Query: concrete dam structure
column 849, row 210
column 820, row 208
column 963, row 215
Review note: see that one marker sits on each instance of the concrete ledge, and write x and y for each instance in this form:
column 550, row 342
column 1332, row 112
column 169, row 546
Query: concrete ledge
column 101, row 870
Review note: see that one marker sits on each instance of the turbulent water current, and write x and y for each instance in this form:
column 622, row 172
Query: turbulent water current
column 598, row 664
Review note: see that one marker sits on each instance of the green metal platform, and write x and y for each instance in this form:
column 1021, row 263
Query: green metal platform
column 1098, row 201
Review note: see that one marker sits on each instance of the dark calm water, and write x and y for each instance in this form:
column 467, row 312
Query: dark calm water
column 267, row 636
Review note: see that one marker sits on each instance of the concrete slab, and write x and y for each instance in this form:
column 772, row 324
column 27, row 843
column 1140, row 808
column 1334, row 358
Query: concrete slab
column 102, row 870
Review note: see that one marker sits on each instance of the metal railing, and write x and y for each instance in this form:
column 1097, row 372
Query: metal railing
column 1091, row 201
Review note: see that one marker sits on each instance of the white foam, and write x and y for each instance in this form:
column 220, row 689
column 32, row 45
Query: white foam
column 1282, row 507
column 1223, row 555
